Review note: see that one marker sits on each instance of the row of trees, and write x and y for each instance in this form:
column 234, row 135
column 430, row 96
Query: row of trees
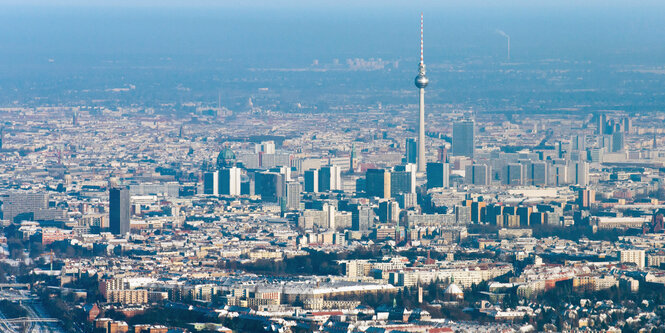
column 314, row 263
column 12, row 310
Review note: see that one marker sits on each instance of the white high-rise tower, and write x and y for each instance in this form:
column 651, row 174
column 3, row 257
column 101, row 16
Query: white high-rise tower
column 421, row 82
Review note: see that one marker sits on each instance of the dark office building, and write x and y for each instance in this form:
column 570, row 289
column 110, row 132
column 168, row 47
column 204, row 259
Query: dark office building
column 119, row 210
column 400, row 182
column 362, row 218
column 524, row 212
column 388, row 211
column 494, row 214
column 411, row 155
column 325, row 175
column 602, row 124
column 229, row 181
column 618, row 141
column 269, row 185
column 247, row 187
column 537, row 218
column 514, row 174
column 377, row 183
column 311, row 181
column 478, row 211
column 211, row 183
column 438, row 174
column 463, row 138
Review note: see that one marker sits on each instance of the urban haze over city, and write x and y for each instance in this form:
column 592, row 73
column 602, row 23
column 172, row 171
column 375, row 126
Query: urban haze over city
column 332, row 166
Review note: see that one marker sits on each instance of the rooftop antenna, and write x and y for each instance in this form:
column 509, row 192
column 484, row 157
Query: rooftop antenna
column 421, row 39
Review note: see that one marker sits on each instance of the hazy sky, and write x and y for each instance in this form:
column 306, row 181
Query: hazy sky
column 295, row 4
column 56, row 46
column 292, row 32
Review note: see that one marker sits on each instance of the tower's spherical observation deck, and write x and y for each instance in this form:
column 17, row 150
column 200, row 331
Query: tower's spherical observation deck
column 421, row 81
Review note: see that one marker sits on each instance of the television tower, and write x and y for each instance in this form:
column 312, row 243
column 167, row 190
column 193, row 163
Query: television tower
column 421, row 82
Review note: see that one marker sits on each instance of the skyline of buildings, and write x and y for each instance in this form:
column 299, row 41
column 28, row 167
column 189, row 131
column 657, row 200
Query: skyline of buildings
column 352, row 216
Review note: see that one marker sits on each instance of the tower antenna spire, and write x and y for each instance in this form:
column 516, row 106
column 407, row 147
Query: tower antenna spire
column 421, row 82
column 421, row 38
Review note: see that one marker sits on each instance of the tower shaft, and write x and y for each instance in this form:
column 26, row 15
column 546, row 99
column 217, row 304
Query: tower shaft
column 421, row 133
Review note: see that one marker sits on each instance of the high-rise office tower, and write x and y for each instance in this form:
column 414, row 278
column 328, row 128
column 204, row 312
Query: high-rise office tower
column 527, row 171
column 211, row 183
column 464, row 138
column 119, row 210
column 595, row 154
column 247, row 185
column 399, row 183
column 362, row 218
column 292, row 199
column 269, row 185
column 558, row 173
column 336, row 178
column 378, row 183
column 578, row 142
column 411, row 155
column 602, row 123
column 283, row 170
column 311, row 181
column 407, row 200
column 421, row 82
column 577, row 155
column 627, row 125
column 229, row 181
column 579, row 173
column 325, row 178
column 330, row 212
column 388, row 211
column 478, row 211
column 538, row 173
column 403, row 179
column 605, row 141
column 463, row 214
column 559, row 149
column 266, row 147
column 330, row 178
column 514, row 174
column 524, row 212
column 438, row 175
column 494, row 214
column 407, row 174
column 585, row 198
column 478, row 174
column 617, row 141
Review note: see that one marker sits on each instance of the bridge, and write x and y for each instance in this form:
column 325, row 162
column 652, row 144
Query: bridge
column 15, row 285
column 14, row 298
column 22, row 320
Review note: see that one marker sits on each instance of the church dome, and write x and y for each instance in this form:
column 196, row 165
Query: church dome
column 226, row 158
column 453, row 289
